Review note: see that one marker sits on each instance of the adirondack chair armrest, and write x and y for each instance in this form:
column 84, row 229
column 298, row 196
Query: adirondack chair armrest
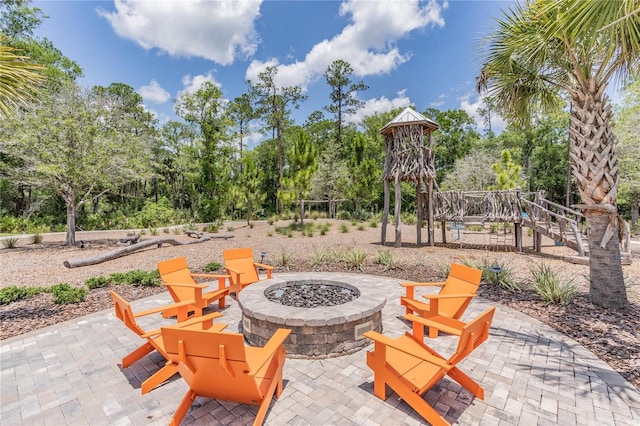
column 433, row 284
column 440, row 325
column 263, row 266
column 269, row 349
column 219, row 276
column 190, row 322
column 448, row 296
column 164, row 308
column 410, row 350
column 186, row 285
column 232, row 270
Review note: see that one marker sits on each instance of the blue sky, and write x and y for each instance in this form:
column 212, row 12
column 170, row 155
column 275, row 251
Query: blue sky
column 409, row 52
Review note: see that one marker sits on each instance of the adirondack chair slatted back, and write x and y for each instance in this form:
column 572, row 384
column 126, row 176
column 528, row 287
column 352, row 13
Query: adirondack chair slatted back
column 177, row 271
column 241, row 259
column 124, row 313
column 207, row 355
column 461, row 280
column 472, row 336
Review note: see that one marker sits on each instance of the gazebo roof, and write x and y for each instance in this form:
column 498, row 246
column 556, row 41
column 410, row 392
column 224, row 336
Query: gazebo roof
column 408, row 117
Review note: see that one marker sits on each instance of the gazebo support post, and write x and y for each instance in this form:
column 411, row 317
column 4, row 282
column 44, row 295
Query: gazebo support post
column 397, row 212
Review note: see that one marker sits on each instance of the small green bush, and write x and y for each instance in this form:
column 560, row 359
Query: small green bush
column 373, row 223
column 385, row 258
column 549, row 287
column 64, row 294
column 37, row 238
column 15, row 293
column 97, row 282
column 212, row 266
column 10, row 243
column 503, row 279
column 344, row 228
column 321, row 256
column 355, row 258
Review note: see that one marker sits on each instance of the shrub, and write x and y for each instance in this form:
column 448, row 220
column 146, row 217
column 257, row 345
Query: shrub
column 37, row 238
column 321, row 256
column 212, row 266
column 285, row 257
column 503, row 278
column 549, row 287
column 385, row 258
column 64, row 294
column 360, row 227
column 97, row 282
column 355, row 258
column 10, row 243
column 15, row 293
column 373, row 223
column 344, row 228
column 136, row 277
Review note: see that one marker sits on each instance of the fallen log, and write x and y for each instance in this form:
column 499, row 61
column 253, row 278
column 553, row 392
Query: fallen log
column 75, row 263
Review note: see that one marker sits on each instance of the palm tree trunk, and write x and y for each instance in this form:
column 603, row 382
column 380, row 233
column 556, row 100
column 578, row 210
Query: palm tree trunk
column 596, row 172
column 605, row 265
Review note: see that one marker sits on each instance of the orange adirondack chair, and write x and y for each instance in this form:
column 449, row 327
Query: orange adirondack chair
column 153, row 339
column 242, row 269
column 219, row 366
column 411, row 368
column 452, row 300
column 182, row 285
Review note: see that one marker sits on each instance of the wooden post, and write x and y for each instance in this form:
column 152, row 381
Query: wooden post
column 419, row 215
column 397, row 212
column 385, row 214
column 443, row 225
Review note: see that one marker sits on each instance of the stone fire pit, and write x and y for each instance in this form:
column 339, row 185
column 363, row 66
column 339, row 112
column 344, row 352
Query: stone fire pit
column 316, row 331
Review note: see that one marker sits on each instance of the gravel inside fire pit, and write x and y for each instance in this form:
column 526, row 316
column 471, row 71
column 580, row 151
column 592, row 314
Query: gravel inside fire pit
column 312, row 295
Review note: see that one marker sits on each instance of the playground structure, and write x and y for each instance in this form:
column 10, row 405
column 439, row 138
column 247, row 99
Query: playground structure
column 409, row 159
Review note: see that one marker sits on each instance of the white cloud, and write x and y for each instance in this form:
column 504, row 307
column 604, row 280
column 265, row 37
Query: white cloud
column 497, row 123
column 214, row 30
column 193, row 83
column 439, row 102
column 153, row 92
column 367, row 43
column 379, row 105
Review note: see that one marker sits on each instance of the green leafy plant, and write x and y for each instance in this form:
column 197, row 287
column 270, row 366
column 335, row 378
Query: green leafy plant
column 385, row 258
column 15, row 293
column 10, row 243
column 373, row 223
column 285, row 257
column 321, row 256
column 37, row 238
column 64, row 294
column 344, row 228
column 97, row 282
column 355, row 258
column 212, row 266
column 498, row 275
column 547, row 284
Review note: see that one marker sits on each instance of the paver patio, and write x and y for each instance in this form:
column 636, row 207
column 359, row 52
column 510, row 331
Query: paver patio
column 70, row 373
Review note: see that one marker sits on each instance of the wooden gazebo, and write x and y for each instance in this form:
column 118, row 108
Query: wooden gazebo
column 409, row 159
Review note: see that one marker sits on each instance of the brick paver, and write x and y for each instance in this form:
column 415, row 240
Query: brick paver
column 70, row 373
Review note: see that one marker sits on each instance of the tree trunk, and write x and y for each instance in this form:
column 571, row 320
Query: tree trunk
column 71, row 224
column 605, row 264
column 635, row 203
column 596, row 172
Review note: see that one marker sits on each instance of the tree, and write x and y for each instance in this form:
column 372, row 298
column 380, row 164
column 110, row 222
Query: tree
column 18, row 21
column 343, row 93
column 249, row 183
column 364, row 173
column 454, row 139
column 19, row 79
column 74, row 142
column 629, row 149
column 471, row 173
column 508, row 174
column 271, row 104
column 204, row 110
column 241, row 112
column 304, row 163
column 544, row 48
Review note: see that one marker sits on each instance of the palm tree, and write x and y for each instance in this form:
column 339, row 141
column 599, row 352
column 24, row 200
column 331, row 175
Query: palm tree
column 548, row 48
column 18, row 78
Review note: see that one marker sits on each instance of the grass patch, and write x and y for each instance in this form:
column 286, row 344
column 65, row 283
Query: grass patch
column 548, row 286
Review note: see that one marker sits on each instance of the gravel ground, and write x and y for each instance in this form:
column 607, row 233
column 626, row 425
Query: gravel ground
column 612, row 336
